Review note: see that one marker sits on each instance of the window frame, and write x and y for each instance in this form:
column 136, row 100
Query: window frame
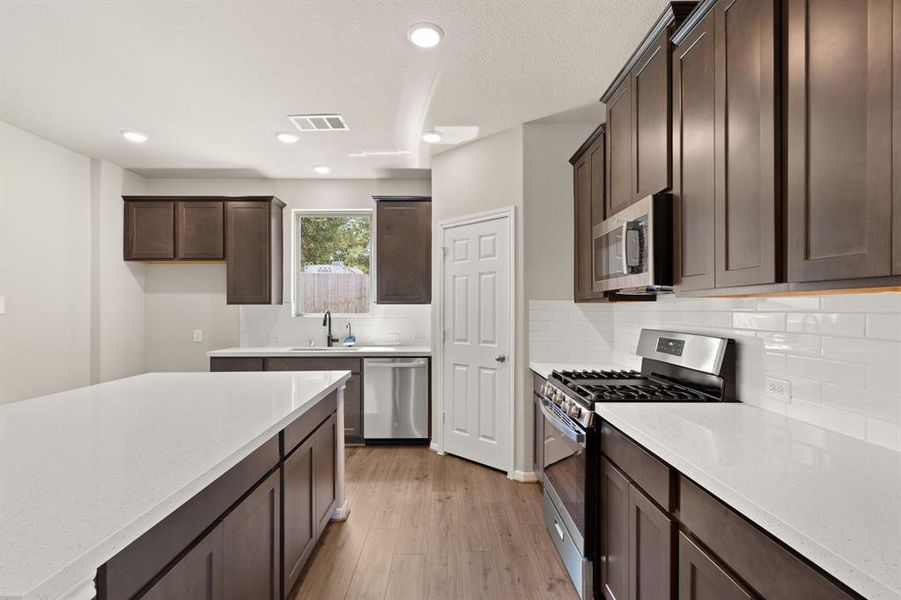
column 296, row 215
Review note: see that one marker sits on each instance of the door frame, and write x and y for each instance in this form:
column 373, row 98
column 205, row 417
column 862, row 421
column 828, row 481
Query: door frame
column 509, row 213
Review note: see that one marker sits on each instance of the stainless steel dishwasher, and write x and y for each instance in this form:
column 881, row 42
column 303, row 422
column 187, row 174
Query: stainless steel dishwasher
column 396, row 399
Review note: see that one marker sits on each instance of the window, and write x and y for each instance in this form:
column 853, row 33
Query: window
column 333, row 255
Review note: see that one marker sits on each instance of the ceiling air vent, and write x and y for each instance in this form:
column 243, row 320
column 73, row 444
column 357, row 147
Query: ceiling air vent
column 319, row 122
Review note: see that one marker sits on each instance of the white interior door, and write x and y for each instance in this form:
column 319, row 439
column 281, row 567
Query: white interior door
column 478, row 407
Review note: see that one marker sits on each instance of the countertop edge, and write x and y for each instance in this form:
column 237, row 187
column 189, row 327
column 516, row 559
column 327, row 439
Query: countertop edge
column 73, row 575
column 412, row 351
column 854, row 577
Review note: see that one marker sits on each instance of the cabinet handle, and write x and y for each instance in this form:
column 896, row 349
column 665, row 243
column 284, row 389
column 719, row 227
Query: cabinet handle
column 559, row 530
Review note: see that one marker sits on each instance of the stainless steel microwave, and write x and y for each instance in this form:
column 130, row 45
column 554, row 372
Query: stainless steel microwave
column 632, row 251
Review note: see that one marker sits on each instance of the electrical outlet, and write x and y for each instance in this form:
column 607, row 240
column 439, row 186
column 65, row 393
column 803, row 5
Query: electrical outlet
column 198, row 335
column 778, row 389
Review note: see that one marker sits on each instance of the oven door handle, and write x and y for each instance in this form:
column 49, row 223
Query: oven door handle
column 559, row 424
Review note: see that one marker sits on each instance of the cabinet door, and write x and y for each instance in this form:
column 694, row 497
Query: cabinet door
column 652, row 145
column 620, row 187
column 839, row 128
column 353, row 410
column 324, row 448
column 251, row 560
column 702, row 578
column 614, row 547
column 597, row 168
column 197, row 576
column 149, row 230
column 582, row 223
column 403, row 252
column 747, row 193
column 694, row 158
column 247, row 239
column 896, row 142
column 297, row 499
column 650, row 549
column 200, row 230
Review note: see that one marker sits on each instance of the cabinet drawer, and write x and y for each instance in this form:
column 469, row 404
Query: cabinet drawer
column 218, row 364
column 313, row 364
column 647, row 471
column 701, row 577
column 566, row 546
column 773, row 571
column 299, row 430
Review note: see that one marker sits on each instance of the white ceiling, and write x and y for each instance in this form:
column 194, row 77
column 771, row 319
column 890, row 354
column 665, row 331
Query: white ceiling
column 211, row 82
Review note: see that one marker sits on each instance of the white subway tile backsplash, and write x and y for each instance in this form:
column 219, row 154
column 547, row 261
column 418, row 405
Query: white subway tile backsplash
column 841, row 353
column 884, row 326
column 827, row 323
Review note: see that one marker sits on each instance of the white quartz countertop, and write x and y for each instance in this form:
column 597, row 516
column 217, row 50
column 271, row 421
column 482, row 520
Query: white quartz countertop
column 84, row 473
column 836, row 500
column 342, row 351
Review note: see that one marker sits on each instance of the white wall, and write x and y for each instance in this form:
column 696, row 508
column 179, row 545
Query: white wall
column 74, row 308
column 841, row 352
column 181, row 298
column 45, row 266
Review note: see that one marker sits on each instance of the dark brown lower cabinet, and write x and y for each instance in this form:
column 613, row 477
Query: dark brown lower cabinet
column 614, row 542
column 324, row 492
column 240, row 363
column 299, row 524
column 896, row 139
column 702, row 578
column 251, row 557
column 650, row 549
column 353, row 410
column 197, row 576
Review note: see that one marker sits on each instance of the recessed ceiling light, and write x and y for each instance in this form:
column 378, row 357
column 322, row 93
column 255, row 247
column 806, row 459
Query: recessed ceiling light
column 322, row 169
column 287, row 138
column 135, row 137
column 425, row 35
column 431, row 137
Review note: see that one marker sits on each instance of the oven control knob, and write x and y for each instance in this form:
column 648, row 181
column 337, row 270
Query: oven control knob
column 575, row 411
column 559, row 398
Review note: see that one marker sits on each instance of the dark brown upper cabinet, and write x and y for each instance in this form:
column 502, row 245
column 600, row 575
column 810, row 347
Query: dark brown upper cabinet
column 149, row 230
column 694, row 157
column 253, row 250
column 403, row 247
column 726, row 154
column 200, row 229
column 589, row 190
column 839, row 138
column 896, row 141
column 639, row 114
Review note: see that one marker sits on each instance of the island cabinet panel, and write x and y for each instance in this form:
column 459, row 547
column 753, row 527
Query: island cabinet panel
column 701, row 577
column 197, row 576
column 324, row 476
column 201, row 230
column 896, row 139
column 764, row 564
column 650, row 549
column 694, row 158
column 149, row 230
column 652, row 145
column 299, row 524
column 589, row 190
column 614, row 530
column 403, row 234
column 839, row 139
column 747, row 208
column 253, row 252
column 251, row 542
column 620, row 157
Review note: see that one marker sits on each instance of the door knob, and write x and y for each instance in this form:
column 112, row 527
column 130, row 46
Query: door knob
column 501, row 358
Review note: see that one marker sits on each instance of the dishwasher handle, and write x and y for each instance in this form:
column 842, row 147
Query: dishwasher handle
column 391, row 363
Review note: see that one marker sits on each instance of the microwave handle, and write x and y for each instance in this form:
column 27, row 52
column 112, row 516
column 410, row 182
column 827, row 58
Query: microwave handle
column 625, row 251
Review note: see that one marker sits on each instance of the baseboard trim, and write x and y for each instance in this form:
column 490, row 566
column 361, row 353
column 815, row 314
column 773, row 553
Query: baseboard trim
column 434, row 448
column 525, row 476
column 340, row 513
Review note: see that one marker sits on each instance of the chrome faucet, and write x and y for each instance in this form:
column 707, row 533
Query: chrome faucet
column 327, row 322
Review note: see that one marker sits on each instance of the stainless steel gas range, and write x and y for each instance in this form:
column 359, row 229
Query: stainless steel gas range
column 675, row 367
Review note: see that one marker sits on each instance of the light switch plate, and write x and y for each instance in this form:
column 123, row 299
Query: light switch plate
column 198, row 335
column 778, row 389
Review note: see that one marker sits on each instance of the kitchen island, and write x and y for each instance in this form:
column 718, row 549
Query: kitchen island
column 119, row 484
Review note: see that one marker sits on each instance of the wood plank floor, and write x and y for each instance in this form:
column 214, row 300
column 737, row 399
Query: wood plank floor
column 429, row 527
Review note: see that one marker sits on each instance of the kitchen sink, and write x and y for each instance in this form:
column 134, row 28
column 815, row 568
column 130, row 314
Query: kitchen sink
column 325, row 348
